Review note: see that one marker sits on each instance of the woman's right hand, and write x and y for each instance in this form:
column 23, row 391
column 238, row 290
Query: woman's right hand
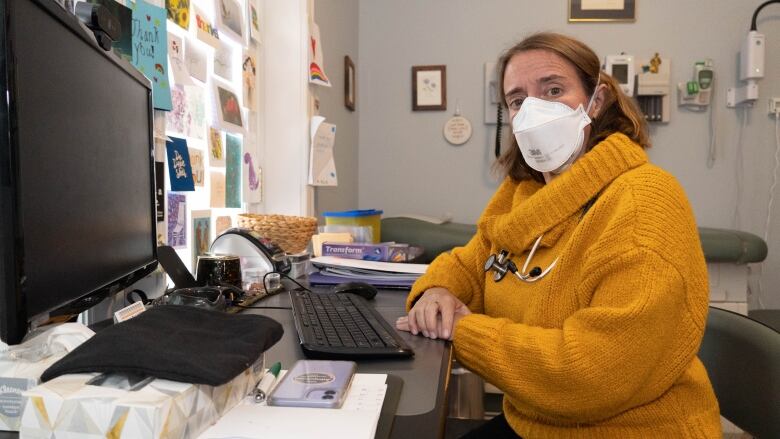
column 434, row 314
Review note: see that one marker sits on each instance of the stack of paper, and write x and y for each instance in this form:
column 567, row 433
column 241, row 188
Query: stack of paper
column 335, row 270
column 356, row 419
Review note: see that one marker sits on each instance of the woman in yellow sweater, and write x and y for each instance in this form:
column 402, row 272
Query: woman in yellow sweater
column 583, row 296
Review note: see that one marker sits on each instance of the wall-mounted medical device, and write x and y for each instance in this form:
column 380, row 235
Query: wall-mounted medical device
column 697, row 93
column 653, row 88
column 751, row 69
column 622, row 68
column 751, row 64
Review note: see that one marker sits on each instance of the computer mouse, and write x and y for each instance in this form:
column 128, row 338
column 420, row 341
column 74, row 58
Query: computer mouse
column 362, row 289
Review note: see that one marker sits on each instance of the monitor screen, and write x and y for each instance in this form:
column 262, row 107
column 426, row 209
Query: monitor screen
column 81, row 183
column 620, row 73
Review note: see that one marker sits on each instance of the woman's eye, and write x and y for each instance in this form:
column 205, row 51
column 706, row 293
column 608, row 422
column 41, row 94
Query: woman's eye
column 514, row 104
column 555, row 91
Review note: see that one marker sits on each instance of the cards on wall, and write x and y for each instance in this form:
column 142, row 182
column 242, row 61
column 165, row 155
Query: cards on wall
column 253, row 15
column 228, row 110
column 179, row 12
column 230, row 19
column 177, row 64
column 322, row 165
column 251, row 187
column 150, row 50
column 179, row 166
column 223, row 61
column 233, row 171
column 216, row 148
column 188, row 112
column 201, row 234
column 198, row 167
column 249, row 76
column 177, row 220
column 217, row 189
column 196, row 59
column 316, row 63
column 223, row 223
column 206, row 31
column 159, row 190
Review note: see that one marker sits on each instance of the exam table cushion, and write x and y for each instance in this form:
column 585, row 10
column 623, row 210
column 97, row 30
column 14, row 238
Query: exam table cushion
column 178, row 343
column 719, row 245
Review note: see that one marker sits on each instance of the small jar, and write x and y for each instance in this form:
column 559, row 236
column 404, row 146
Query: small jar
column 253, row 281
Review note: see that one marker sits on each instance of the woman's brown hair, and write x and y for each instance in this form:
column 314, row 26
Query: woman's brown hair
column 619, row 112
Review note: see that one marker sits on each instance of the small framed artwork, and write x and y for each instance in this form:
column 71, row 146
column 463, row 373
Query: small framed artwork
column 429, row 88
column 349, row 83
column 602, row 10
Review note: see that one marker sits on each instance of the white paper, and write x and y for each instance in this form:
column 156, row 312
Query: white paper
column 254, row 20
column 196, row 60
column 356, row 419
column 393, row 267
column 223, row 61
column 429, row 87
column 322, row 165
column 603, row 4
column 181, row 76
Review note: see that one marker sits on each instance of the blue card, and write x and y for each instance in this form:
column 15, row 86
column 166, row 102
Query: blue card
column 150, row 50
column 233, row 172
column 179, row 166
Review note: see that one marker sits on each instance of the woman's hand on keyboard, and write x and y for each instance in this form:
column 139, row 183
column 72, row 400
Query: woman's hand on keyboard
column 434, row 315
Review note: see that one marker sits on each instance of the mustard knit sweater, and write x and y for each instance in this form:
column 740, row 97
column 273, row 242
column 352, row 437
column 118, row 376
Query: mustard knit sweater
column 605, row 345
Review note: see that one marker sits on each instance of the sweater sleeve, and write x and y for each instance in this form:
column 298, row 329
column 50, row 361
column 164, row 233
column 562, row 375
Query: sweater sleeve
column 460, row 271
column 624, row 350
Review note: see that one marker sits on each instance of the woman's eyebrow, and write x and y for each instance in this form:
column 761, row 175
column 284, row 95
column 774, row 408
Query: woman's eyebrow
column 550, row 78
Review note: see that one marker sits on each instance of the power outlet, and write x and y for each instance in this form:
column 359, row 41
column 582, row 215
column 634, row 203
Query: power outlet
column 774, row 105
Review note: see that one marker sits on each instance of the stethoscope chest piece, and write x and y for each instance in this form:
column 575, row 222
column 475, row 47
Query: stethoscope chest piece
column 501, row 265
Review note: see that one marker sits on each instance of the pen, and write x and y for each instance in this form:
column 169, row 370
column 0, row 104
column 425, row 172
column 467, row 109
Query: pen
column 265, row 384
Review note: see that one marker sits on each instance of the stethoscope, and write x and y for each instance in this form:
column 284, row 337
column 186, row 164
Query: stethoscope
column 502, row 265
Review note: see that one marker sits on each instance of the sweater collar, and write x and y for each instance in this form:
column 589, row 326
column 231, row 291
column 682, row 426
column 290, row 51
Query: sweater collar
column 535, row 208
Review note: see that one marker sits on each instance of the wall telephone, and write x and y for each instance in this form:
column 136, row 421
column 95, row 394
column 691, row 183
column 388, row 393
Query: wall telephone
column 492, row 101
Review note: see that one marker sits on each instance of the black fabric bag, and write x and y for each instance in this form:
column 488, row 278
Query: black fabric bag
column 179, row 343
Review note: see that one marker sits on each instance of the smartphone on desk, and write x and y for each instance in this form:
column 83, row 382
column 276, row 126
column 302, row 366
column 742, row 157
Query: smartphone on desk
column 314, row 383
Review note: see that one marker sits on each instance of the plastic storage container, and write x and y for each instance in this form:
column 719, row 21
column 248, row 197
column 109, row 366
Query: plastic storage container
column 367, row 217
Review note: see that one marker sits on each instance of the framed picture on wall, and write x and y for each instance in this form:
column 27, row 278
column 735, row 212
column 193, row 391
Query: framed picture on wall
column 349, row 83
column 602, row 10
column 429, row 88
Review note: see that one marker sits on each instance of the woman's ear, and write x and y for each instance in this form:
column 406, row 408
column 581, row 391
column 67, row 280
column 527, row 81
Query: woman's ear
column 599, row 96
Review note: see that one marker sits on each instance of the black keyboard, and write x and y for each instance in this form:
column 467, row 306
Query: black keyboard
column 343, row 326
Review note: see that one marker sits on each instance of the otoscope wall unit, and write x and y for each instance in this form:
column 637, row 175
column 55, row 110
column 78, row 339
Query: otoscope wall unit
column 653, row 88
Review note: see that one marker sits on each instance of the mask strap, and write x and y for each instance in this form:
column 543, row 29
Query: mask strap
column 596, row 89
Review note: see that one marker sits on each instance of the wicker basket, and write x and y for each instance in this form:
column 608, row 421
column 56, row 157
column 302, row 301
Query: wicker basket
column 291, row 233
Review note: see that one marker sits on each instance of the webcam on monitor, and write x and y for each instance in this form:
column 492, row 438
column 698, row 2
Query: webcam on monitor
column 101, row 22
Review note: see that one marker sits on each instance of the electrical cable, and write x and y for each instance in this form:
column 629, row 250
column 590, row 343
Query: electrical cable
column 711, row 148
column 739, row 166
column 499, row 117
column 262, row 307
column 758, row 9
column 771, row 199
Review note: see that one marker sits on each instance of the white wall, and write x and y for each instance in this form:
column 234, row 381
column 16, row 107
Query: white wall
column 284, row 111
column 406, row 166
column 338, row 22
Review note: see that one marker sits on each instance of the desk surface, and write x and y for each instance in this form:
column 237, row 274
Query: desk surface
column 422, row 407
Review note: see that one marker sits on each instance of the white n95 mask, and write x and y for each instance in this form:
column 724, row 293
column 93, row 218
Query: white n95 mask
column 549, row 133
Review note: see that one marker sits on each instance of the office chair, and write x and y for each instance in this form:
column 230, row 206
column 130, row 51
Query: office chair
column 742, row 357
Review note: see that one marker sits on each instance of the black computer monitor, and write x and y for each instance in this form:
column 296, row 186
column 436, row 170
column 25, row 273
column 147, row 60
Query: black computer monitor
column 77, row 207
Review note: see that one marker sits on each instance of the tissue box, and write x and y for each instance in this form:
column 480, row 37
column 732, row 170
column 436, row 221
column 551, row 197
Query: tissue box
column 16, row 376
column 67, row 407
